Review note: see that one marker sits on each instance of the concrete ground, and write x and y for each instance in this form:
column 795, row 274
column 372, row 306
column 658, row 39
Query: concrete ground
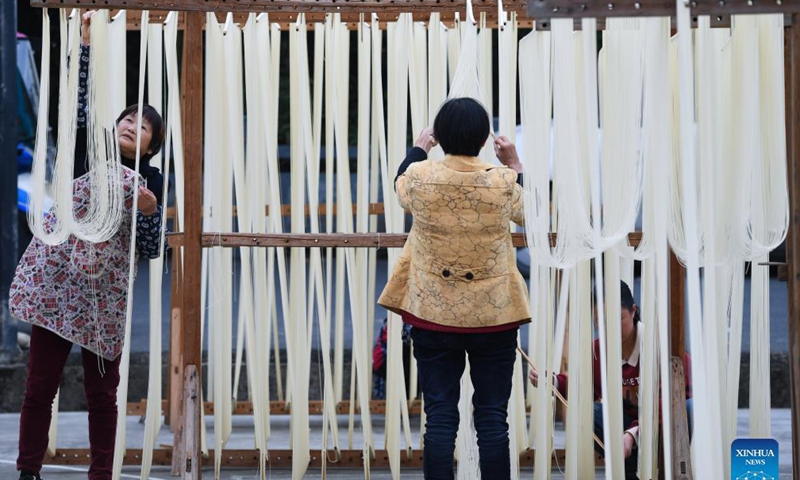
column 72, row 433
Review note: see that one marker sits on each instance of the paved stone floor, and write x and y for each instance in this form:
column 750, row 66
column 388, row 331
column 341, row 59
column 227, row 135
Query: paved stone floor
column 72, row 432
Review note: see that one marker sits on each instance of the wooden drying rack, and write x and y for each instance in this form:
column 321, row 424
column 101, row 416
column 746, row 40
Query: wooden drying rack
column 185, row 357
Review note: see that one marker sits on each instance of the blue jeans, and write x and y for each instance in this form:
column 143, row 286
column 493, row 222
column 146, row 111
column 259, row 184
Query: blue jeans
column 441, row 359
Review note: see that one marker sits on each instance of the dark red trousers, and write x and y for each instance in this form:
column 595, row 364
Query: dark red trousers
column 46, row 360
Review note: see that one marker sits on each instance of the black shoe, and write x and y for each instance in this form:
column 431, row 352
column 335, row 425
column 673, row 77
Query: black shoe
column 29, row 476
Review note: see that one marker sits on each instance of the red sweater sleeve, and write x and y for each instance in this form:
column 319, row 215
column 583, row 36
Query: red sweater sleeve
column 563, row 378
column 562, row 384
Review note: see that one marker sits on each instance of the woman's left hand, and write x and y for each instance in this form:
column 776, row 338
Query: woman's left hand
column 507, row 153
column 86, row 21
column 426, row 140
column 147, row 202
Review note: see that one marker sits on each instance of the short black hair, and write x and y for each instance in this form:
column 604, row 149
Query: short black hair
column 156, row 122
column 461, row 127
column 627, row 301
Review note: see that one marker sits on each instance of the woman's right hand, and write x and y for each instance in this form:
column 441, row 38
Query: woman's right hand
column 533, row 376
column 86, row 22
column 426, row 140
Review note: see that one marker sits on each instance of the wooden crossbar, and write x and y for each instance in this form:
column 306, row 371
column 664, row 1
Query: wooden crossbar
column 541, row 9
column 281, row 408
column 350, row 19
column 352, row 459
column 386, row 9
column 320, row 240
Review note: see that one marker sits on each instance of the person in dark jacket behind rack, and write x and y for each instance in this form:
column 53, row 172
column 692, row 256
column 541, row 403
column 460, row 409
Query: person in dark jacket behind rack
column 76, row 292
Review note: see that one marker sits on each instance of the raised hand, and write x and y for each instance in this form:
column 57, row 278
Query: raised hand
column 507, row 153
column 147, row 202
column 86, row 22
column 426, row 140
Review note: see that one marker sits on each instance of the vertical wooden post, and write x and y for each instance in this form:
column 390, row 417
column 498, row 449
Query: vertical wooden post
column 190, row 461
column 174, row 380
column 677, row 306
column 793, row 239
column 681, row 453
column 682, row 458
column 190, row 353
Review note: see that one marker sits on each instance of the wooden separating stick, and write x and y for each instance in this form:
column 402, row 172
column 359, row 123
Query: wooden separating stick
column 558, row 394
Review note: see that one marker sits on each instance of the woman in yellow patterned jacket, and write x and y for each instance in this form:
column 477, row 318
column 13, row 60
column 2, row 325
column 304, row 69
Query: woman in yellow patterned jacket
column 457, row 283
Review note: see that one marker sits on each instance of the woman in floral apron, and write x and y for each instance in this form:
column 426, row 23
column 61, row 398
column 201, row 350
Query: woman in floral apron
column 76, row 293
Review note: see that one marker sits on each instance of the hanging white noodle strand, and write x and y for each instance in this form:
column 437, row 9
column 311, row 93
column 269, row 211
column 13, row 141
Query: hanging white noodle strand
column 107, row 204
column 155, row 266
column 437, row 75
column 535, row 100
column 36, row 204
column 65, row 144
column 611, row 363
column 269, row 64
column 656, row 135
column 219, row 182
column 713, row 458
column 259, row 331
column 398, row 91
column 122, row 389
column 332, row 48
column 541, row 425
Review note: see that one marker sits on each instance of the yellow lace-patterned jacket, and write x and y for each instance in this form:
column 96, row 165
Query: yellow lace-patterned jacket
column 458, row 267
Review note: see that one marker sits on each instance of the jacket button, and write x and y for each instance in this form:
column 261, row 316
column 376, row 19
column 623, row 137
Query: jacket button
column 445, row 273
column 469, row 276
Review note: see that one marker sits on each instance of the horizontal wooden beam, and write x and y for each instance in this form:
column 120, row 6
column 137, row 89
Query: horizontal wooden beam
column 280, row 458
column 281, row 408
column 543, row 9
column 743, row 7
column 385, row 9
column 326, row 240
column 350, row 19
